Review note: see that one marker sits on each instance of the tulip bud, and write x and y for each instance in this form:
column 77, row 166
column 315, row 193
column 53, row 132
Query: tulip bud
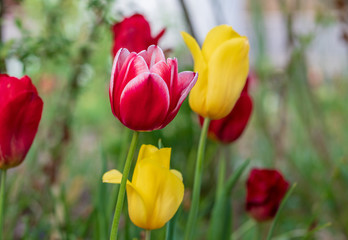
column 21, row 109
column 266, row 189
column 222, row 65
column 146, row 91
column 133, row 33
column 156, row 192
column 231, row 127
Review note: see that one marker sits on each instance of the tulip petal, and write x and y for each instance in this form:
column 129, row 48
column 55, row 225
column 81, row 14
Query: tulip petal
column 136, row 66
column 137, row 209
column 216, row 37
column 133, row 33
column 164, row 71
column 12, row 86
column 177, row 173
column 198, row 58
column 173, row 65
column 197, row 99
column 169, row 197
column 152, row 55
column 179, row 92
column 146, row 97
column 112, row 176
column 116, row 80
column 228, row 69
column 235, row 122
column 20, row 118
column 119, row 60
column 161, row 156
column 161, row 190
column 146, row 150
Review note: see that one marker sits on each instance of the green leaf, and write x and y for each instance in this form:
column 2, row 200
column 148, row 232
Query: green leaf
column 221, row 220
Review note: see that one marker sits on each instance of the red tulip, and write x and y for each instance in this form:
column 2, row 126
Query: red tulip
column 146, row 92
column 21, row 109
column 231, row 127
column 133, row 33
column 265, row 190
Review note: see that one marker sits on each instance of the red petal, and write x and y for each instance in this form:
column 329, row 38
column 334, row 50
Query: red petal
column 180, row 89
column 144, row 102
column 133, row 33
column 132, row 67
column 119, row 60
column 163, row 70
column 19, row 122
column 231, row 127
column 13, row 86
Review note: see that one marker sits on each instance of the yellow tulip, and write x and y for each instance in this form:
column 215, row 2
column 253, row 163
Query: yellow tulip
column 222, row 67
column 156, row 192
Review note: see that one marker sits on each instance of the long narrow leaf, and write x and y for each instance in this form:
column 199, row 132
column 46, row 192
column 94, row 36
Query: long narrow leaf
column 270, row 233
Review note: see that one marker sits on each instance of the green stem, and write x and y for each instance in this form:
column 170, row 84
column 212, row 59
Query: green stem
column 2, row 200
column 147, row 234
column 121, row 192
column 270, row 233
column 191, row 224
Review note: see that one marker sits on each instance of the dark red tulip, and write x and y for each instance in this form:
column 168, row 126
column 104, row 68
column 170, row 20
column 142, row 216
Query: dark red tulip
column 146, row 91
column 266, row 189
column 20, row 114
column 231, row 127
column 133, row 33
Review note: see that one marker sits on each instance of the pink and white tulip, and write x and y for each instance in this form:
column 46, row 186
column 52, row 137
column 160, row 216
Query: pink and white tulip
column 146, row 91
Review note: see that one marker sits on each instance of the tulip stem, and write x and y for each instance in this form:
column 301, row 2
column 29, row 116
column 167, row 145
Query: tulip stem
column 2, row 200
column 122, row 190
column 191, row 224
column 147, row 234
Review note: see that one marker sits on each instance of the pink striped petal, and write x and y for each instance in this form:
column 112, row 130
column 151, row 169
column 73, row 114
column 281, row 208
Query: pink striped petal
column 186, row 81
column 144, row 102
column 173, row 64
column 115, row 82
column 119, row 60
column 130, row 70
column 164, row 71
column 152, row 55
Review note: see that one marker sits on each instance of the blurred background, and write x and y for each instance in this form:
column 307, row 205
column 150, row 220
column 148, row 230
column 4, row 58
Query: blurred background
column 299, row 73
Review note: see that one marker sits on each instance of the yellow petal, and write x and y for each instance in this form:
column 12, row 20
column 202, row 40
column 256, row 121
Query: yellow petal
column 199, row 61
column 161, row 190
column 161, row 157
column 198, row 93
column 136, row 207
column 168, row 199
column 177, row 173
column 112, row 176
column 217, row 36
column 146, row 150
column 228, row 69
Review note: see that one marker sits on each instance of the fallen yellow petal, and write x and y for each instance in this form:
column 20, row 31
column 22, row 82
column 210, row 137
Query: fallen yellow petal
column 112, row 176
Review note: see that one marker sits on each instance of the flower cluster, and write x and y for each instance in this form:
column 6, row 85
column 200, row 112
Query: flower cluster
column 146, row 92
